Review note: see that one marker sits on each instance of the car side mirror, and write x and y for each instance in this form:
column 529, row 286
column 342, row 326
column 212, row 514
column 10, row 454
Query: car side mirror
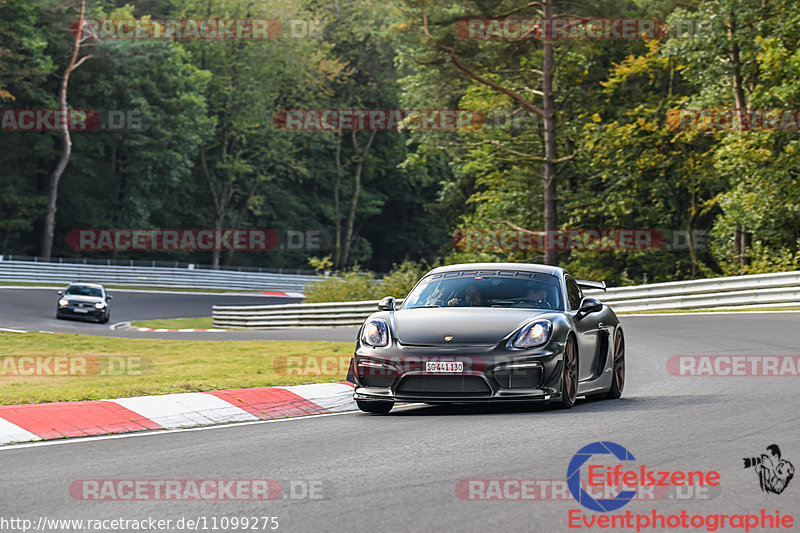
column 61, row 293
column 589, row 305
column 109, row 297
column 387, row 304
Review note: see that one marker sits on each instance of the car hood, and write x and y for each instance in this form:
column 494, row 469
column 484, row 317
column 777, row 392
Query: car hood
column 77, row 298
column 429, row 327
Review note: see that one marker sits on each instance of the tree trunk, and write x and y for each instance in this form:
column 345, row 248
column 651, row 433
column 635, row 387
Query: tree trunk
column 546, row 112
column 736, row 63
column 337, row 254
column 241, row 214
column 742, row 237
column 744, row 245
column 361, row 156
column 48, row 231
column 215, row 253
column 549, row 178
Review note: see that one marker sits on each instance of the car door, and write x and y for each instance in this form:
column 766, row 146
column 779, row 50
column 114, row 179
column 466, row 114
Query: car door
column 588, row 331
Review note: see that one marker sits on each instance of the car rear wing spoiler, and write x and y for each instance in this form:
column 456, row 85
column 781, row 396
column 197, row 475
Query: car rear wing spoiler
column 583, row 284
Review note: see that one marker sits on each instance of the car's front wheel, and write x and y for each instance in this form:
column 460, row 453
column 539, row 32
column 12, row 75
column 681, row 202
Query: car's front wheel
column 569, row 380
column 618, row 381
column 379, row 407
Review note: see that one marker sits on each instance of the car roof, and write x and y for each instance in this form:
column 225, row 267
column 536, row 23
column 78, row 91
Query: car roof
column 93, row 285
column 527, row 267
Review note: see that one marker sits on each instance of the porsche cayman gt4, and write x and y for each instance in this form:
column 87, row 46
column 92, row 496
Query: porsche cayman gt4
column 490, row 332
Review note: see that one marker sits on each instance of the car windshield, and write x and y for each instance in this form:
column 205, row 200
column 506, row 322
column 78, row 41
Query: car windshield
column 520, row 289
column 83, row 290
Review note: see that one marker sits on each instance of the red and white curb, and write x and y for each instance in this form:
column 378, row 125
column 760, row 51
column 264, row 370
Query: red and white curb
column 44, row 421
column 280, row 294
column 126, row 326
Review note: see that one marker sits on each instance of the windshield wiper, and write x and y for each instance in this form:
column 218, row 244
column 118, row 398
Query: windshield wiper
column 424, row 306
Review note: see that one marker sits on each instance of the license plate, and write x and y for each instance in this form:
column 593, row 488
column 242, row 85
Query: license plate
column 81, row 310
column 444, row 367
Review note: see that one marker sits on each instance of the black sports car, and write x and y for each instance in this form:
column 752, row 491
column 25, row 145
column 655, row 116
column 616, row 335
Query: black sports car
column 489, row 332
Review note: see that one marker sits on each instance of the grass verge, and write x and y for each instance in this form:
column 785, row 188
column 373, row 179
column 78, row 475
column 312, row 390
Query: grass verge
column 136, row 367
column 205, row 322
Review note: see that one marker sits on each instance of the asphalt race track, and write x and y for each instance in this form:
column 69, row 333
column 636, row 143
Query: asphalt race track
column 35, row 310
column 399, row 472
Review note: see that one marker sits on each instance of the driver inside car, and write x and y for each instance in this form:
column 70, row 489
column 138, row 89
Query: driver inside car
column 473, row 298
column 536, row 297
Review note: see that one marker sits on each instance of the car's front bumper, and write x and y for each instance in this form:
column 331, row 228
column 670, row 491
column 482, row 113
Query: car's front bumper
column 490, row 374
column 86, row 312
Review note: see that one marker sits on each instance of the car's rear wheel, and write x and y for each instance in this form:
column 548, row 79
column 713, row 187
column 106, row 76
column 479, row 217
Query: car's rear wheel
column 618, row 381
column 569, row 380
column 379, row 407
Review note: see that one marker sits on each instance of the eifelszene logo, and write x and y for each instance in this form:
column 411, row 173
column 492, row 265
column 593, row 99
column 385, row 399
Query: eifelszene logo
column 574, row 477
column 612, row 477
column 774, row 473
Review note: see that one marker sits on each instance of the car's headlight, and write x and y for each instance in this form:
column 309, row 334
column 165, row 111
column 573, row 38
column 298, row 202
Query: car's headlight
column 63, row 301
column 100, row 305
column 534, row 334
column 375, row 333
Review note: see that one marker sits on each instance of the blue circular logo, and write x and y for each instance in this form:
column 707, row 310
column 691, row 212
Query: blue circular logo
column 574, row 477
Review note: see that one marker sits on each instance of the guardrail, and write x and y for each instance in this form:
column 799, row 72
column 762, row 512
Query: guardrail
column 63, row 273
column 760, row 290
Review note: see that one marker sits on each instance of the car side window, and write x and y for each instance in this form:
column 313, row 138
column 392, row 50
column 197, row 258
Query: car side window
column 574, row 294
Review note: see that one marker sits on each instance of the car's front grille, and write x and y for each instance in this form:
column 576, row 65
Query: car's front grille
column 76, row 303
column 519, row 378
column 444, row 386
column 377, row 381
